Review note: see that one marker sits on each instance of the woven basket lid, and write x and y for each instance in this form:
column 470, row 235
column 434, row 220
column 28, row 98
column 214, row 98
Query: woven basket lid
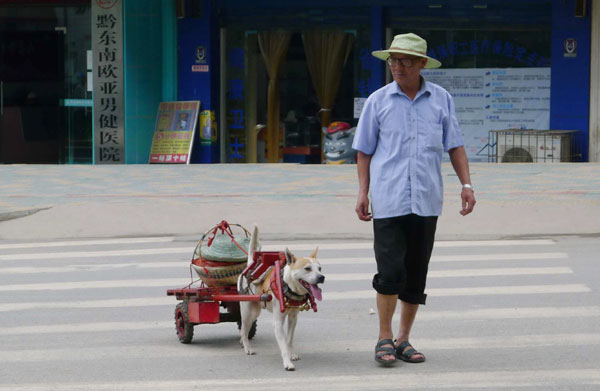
column 223, row 249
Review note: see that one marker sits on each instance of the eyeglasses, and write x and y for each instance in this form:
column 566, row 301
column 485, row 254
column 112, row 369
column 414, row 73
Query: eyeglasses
column 406, row 62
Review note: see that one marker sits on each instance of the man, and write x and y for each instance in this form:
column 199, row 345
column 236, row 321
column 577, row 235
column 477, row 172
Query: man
column 400, row 136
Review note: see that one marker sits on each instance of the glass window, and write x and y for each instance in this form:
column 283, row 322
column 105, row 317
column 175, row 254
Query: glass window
column 299, row 107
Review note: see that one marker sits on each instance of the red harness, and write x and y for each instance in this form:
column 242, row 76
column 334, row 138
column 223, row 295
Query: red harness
column 302, row 305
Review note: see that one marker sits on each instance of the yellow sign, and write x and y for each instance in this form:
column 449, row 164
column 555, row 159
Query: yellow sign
column 208, row 127
column 174, row 132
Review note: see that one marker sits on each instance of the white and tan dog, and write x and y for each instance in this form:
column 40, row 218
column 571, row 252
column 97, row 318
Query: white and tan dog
column 301, row 276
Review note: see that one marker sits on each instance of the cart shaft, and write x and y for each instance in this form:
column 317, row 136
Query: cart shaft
column 263, row 297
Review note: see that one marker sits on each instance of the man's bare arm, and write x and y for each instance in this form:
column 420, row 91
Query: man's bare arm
column 460, row 163
column 363, row 162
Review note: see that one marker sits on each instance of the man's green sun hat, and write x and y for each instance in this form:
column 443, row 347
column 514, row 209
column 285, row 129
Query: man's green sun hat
column 408, row 44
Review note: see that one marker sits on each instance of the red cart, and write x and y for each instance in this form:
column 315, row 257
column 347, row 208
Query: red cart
column 202, row 304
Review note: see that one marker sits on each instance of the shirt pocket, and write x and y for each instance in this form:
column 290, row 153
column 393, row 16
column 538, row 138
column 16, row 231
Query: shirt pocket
column 433, row 137
column 394, row 141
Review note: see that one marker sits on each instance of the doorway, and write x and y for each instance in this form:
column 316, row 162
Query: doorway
column 296, row 106
column 45, row 110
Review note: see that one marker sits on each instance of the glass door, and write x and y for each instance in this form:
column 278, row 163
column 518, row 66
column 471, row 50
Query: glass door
column 44, row 102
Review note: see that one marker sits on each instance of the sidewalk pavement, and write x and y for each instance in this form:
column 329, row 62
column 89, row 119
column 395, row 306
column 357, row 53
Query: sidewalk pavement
column 287, row 201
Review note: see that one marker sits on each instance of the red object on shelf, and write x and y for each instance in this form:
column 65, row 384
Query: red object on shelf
column 337, row 126
column 302, row 150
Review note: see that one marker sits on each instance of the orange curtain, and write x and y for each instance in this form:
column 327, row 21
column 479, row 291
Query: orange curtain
column 326, row 55
column 273, row 46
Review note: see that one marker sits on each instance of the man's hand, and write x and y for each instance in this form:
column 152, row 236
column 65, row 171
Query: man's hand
column 362, row 208
column 468, row 201
column 458, row 158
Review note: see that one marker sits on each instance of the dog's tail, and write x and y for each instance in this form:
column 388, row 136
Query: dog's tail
column 242, row 284
column 253, row 245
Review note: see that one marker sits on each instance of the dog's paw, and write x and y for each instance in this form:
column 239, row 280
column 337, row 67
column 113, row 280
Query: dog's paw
column 289, row 366
column 294, row 357
column 250, row 351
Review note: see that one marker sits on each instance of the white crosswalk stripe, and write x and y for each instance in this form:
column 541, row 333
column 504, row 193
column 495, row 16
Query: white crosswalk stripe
column 555, row 379
column 480, row 314
column 457, row 258
column 333, row 346
column 512, row 313
column 438, row 244
column 96, row 327
column 167, row 282
column 523, row 271
column 177, row 282
column 157, row 239
column 328, row 296
column 91, row 267
column 325, row 260
column 88, row 304
column 471, row 291
column 190, row 250
column 97, row 254
column 278, row 246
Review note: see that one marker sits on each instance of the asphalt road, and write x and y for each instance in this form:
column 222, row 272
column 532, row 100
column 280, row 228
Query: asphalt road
column 93, row 315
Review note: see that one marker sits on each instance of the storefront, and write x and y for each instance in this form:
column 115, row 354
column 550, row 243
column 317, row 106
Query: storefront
column 271, row 76
column 509, row 64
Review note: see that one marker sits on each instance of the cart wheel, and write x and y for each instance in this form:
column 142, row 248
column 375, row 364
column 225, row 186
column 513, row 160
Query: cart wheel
column 185, row 330
column 252, row 331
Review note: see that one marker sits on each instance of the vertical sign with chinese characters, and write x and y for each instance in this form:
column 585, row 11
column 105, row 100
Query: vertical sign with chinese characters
column 107, row 46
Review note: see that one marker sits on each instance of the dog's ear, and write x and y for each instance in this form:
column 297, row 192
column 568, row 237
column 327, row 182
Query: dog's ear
column 289, row 257
column 314, row 254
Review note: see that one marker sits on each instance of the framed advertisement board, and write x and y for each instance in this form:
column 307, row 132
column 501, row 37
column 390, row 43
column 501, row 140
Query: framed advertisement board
column 174, row 132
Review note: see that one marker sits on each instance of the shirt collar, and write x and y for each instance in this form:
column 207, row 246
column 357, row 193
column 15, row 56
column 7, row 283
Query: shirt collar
column 425, row 88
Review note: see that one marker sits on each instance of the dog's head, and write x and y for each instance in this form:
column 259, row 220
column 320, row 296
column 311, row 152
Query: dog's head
column 304, row 274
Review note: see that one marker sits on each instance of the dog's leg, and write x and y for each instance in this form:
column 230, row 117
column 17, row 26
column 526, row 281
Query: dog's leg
column 278, row 320
column 291, row 328
column 249, row 312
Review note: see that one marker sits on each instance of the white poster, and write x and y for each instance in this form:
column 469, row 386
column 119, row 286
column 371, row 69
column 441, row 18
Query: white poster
column 494, row 99
column 358, row 106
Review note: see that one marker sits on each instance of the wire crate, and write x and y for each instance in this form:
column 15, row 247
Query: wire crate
column 533, row 146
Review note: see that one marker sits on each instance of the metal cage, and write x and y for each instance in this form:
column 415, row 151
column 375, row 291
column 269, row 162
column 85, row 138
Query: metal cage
column 533, row 146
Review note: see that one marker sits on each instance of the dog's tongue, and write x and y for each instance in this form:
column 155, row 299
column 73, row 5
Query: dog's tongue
column 315, row 292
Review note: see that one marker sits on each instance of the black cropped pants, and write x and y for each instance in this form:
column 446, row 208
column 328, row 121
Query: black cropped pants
column 403, row 247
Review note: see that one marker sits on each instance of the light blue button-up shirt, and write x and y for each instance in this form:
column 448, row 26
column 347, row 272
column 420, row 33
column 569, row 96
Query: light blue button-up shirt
column 406, row 139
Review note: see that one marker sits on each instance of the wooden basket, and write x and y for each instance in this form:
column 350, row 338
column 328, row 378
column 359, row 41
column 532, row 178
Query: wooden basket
column 220, row 256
